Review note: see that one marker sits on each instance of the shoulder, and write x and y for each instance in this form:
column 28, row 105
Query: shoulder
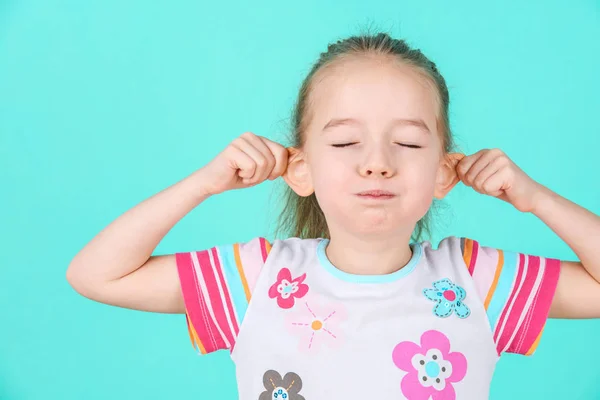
column 294, row 248
column 463, row 251
column 452, row 249
column 254, row 252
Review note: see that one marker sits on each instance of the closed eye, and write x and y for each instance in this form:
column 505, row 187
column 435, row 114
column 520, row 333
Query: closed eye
column 343, row 144
column 410, row 146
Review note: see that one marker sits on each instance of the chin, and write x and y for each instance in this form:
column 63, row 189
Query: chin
column 379, row 225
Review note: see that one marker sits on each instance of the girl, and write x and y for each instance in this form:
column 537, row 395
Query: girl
column 350, row 307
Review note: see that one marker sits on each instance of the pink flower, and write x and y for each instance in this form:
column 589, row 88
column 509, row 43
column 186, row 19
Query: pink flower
column 316, row 324
column 431, row 367
column 286, row 288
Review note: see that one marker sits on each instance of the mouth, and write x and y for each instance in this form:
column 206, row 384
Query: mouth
column 376, row 195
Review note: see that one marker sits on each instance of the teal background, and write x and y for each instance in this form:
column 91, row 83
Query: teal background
column 103, row 104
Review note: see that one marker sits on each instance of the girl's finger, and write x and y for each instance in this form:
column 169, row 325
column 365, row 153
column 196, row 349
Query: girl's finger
column 281, row 156
column 491, row 168
column 242, row 162
column 484, row 159
column 464, row 165
column 259, row 159
column 493, row 185
column 259, row 144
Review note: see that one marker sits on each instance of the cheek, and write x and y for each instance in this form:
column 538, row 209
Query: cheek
column 331, row 179
column 329, row 174
column 420, row 184
column 423, row 181
column 420, row 173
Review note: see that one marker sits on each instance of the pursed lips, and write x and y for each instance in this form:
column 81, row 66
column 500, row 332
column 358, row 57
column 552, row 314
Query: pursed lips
column 376, row 194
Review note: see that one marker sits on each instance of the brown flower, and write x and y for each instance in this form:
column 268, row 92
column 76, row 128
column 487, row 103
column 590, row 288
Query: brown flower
column 279, row 388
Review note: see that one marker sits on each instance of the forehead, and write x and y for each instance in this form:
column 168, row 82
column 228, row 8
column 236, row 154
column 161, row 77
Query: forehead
column 374, row 90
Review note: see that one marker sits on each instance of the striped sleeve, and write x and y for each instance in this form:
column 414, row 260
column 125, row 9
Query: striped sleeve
column 516, row 290
column 217, row 285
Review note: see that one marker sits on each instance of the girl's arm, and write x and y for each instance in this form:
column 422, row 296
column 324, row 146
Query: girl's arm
column 577, row 295
column 578, row 291
column 117, row 267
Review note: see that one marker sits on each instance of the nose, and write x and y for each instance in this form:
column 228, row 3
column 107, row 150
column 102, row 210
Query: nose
column 377, row 165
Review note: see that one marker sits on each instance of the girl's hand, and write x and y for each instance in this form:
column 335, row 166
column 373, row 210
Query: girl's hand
column 247, row 161
column 491, row 172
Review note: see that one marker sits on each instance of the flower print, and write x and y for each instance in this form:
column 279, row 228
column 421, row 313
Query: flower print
column 278, row 388
column 287, row 289
column 449, row 298
column 431, row 367
column 316, row 324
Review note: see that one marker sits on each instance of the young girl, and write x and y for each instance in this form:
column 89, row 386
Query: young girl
column 349, row 307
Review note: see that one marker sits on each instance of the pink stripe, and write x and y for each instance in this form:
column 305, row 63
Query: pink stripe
column 474, row 252
column 517, row 344
column 513, row 293
column 195, row 304
column 263, row 249
column 539, row 310
column 228, row 301
column 215, row 300
column 517, row 310
column 525, row 302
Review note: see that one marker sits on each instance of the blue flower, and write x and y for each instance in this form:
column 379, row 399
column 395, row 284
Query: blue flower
column 449, row 298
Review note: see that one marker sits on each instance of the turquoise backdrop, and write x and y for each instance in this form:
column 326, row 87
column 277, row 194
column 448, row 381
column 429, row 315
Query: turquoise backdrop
column 104, row 103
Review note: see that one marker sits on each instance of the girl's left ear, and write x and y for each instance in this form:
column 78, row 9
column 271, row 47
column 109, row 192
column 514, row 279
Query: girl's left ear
column 447, row 177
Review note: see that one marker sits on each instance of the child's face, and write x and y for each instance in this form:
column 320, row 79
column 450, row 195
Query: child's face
column 374, row 94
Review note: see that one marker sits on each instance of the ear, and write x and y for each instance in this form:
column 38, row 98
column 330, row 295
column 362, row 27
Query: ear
column 447, row 177
column 297, row 174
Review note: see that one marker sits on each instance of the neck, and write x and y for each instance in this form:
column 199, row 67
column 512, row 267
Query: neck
column 370, row 255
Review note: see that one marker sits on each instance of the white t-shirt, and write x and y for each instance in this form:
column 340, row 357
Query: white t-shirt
column 298, row 328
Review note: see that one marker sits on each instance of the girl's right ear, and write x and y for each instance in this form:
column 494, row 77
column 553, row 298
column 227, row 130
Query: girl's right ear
column 297, row 174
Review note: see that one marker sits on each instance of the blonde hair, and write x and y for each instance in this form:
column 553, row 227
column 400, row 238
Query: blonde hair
column 302, row 216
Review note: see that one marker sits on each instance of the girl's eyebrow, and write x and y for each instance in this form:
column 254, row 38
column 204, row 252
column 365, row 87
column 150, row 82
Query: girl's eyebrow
column 417, row 122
